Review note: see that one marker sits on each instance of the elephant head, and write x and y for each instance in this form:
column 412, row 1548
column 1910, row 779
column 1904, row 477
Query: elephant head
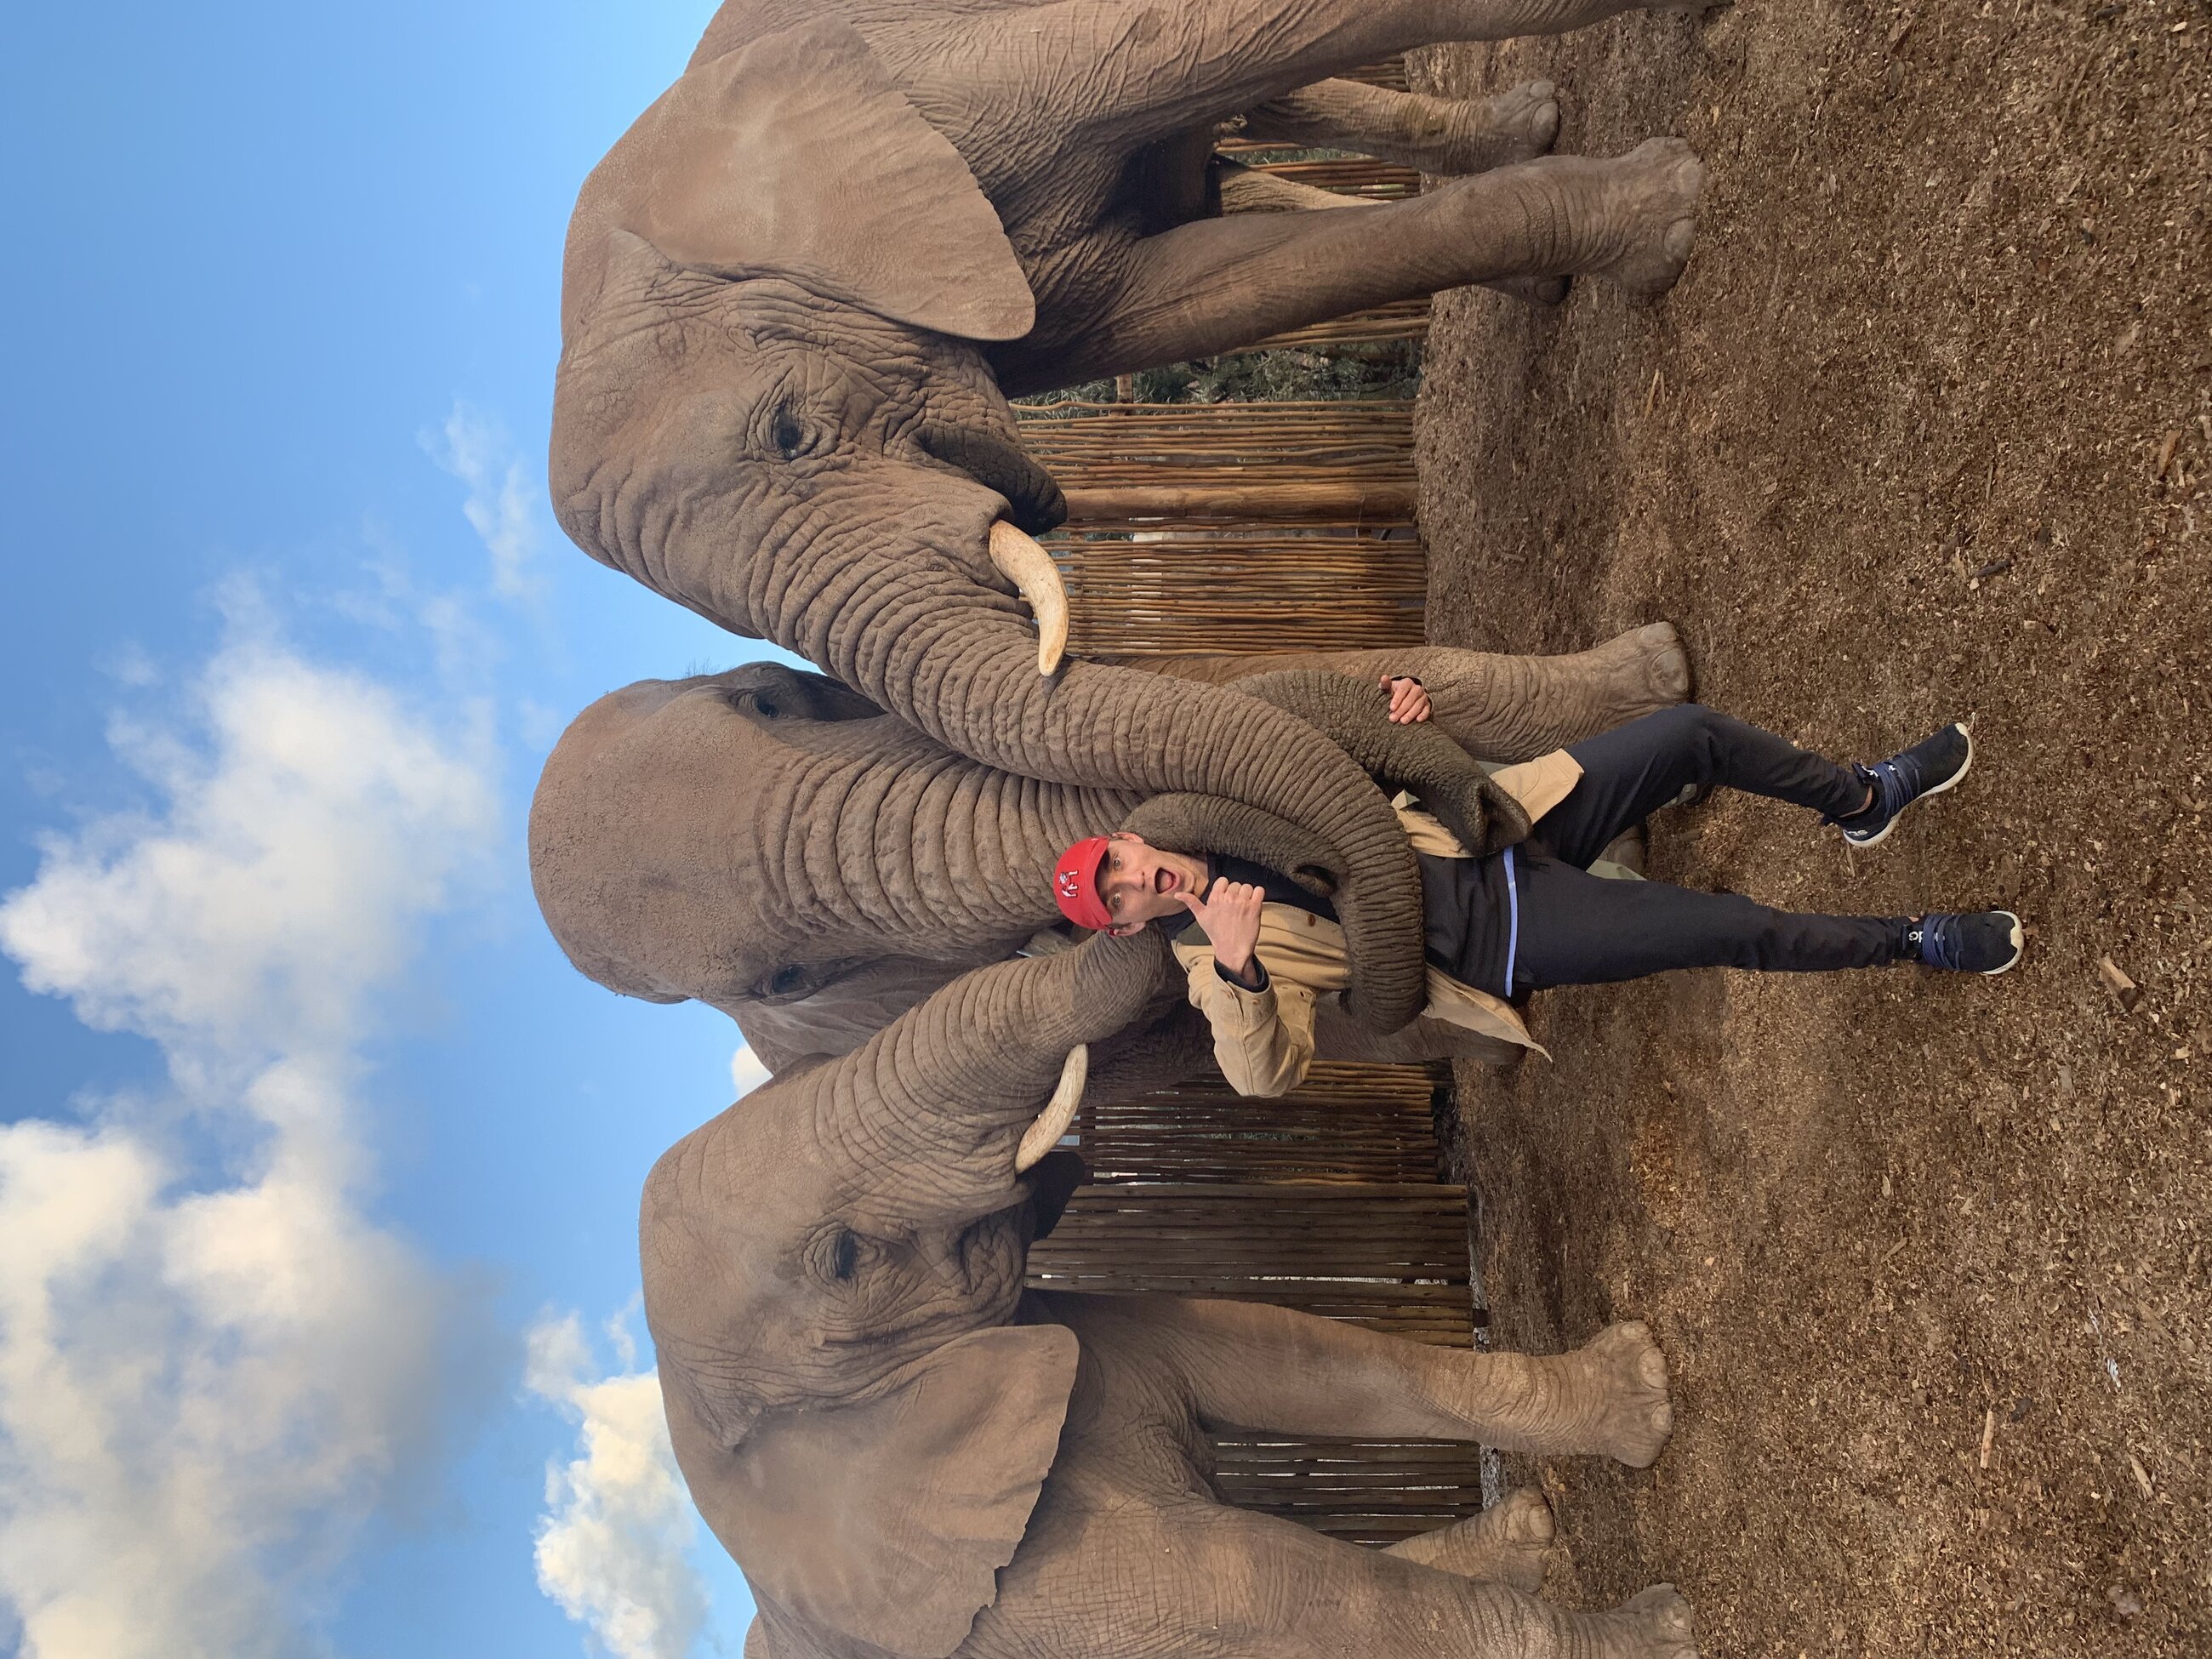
column 764, row 837
column 770, row 842
column 775, row 406
column 832, row 1277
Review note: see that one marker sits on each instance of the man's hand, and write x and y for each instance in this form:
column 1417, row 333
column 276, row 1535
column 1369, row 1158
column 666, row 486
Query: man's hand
column 1229, row 913
column 1409, row 703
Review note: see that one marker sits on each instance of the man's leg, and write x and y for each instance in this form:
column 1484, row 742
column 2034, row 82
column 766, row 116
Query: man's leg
column 1633, row 769
column 1577, row 929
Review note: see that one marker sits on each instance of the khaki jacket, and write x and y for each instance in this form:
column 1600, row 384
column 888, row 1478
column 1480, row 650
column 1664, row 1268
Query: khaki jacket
column 1263, row 1040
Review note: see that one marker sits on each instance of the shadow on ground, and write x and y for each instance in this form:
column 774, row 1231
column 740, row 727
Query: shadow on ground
column 1918, row 436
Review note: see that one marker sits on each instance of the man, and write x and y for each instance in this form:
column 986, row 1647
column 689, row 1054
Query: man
column 1259, row 949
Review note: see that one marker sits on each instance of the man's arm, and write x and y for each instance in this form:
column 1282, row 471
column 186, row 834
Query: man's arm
column 1229, row 913
column 1263, row 1039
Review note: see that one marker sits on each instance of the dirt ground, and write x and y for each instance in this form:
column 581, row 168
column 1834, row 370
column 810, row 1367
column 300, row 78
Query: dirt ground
column 1919, row 435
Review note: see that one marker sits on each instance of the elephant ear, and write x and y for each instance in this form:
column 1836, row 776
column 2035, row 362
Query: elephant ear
column 796, row 156
column 886, row 1522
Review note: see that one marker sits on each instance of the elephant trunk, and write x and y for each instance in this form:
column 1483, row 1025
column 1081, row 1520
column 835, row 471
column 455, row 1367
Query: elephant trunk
column 962, row 665
column 950, row 857
column 957, row 1087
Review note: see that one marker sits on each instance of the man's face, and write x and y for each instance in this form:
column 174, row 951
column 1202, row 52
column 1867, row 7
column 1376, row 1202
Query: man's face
column 1139, row 882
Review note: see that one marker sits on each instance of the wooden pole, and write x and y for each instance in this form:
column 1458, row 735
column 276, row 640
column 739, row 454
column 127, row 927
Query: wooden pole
column 1380, row 500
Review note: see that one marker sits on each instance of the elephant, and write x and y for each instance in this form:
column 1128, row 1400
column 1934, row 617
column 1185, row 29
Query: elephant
column 771, row 843
column 911, row 1454
column 797, row 292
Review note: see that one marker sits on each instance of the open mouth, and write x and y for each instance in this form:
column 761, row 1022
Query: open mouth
column 1165, row 881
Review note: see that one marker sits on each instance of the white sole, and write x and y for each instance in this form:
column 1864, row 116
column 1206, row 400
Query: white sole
column 2019, row 947
column 1951, row 782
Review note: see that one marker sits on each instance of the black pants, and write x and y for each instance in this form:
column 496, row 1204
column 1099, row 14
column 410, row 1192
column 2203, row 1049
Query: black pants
column 1574, row 928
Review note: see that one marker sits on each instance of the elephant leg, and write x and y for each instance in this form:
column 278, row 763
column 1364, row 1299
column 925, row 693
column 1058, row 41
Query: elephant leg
column 1194, row 1577
column 1506, row 1544
column 1269, row 1369
column 1436, row 135
column 1498, row 708
column 1248, row 189
column 1219, row 284
column 1126, row 73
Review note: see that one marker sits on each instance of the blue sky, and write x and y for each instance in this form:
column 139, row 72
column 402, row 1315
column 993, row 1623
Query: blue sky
column 320, row 1165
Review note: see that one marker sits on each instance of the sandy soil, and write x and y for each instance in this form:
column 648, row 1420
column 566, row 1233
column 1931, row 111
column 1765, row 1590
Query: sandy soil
column 1918, row 436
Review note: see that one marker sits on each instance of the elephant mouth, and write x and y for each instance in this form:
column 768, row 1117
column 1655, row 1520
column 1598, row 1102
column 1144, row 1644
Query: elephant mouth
column 1042, row 1135
column 1033, row 498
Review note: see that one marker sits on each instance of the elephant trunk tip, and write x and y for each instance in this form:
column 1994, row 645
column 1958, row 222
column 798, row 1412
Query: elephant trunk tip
column 1023, row 562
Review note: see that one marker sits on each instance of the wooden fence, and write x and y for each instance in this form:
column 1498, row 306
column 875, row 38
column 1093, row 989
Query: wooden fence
column 1353, row 175
column 1327, row 1201
column 1266, row 526
column 1234, row 527
column 1404, row 320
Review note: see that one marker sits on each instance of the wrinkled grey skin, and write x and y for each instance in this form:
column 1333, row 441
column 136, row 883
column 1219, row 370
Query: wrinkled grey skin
column 866, row 1405
column 795, row 292
column 774, row 844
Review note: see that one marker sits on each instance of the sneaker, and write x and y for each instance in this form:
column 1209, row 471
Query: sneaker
column 1979, row 942
column 1929, row 767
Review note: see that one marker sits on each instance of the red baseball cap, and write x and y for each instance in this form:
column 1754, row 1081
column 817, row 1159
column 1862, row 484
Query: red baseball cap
column 1075, row 884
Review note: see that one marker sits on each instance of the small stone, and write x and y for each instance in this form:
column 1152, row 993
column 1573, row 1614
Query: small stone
column 2125, row 1602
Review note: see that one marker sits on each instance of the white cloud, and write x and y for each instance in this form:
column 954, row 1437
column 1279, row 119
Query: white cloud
column 500, row 506
column 613, row 1548
column 284, row 883
column 207, row 1382
column 747, row 1072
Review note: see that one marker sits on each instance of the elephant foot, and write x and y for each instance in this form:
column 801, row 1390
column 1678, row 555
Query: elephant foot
column 1656, row 1625
column 1639, row 672
column 1663, row 663
column 1631, row 850
column 1655, row 200
column 1631, row 220
column 1533, row 290
column 1625, row 1377
column 1506, row 1544
column 1518, row 125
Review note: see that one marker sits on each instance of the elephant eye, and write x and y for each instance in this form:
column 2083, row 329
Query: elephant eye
column 787, row 434
column 845, row 1256
column 786, row 979
column 746, row 700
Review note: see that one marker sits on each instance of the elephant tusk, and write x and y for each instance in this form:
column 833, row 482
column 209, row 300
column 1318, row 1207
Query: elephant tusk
column 1030, row 567
column 1059, row 1112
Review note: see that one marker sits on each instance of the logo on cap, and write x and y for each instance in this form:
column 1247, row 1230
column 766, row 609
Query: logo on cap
column 1075, row 884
